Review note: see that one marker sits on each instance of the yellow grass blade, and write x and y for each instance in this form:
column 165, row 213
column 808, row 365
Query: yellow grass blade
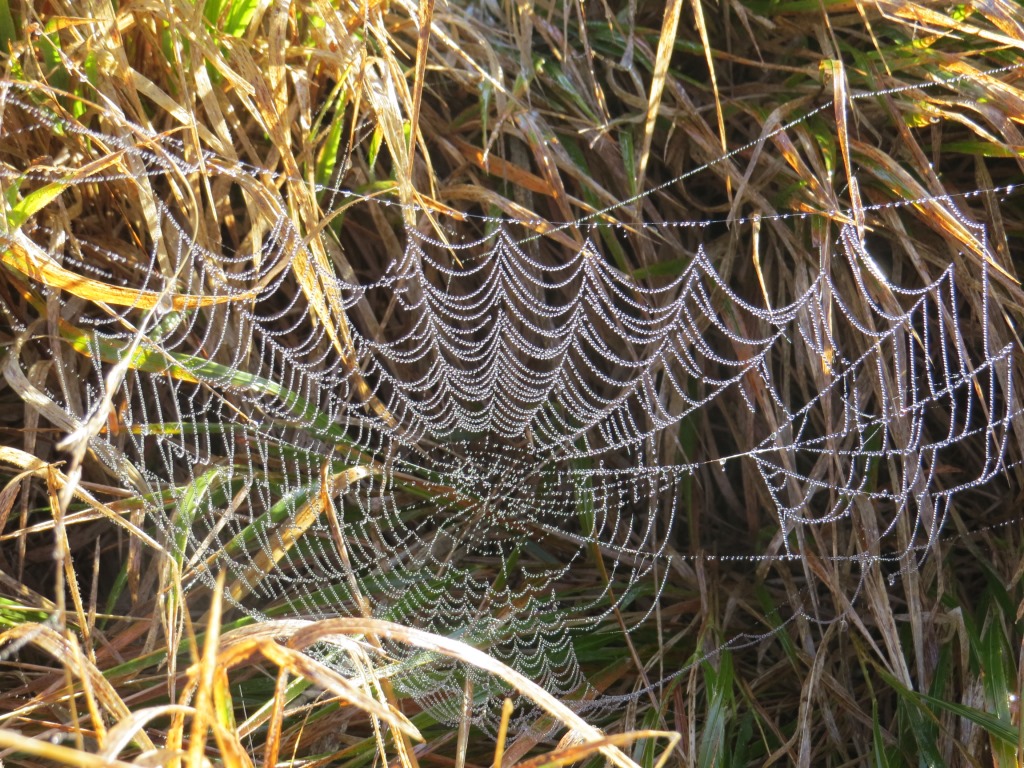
column 426, row 16
column 702, row 29
column 56, row 753
column 322, row 631
column 292, row 529
column 29, row 259
column 665, row 45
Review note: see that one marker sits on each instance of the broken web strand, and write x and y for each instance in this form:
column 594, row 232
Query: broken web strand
column 668, row 328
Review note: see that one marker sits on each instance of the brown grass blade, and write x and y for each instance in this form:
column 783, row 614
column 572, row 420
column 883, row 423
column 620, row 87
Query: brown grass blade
column 50, row 641
column 503, row 169
column 310, row 262
column 579, row 752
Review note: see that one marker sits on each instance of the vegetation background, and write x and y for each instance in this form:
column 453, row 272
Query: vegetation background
column 547, row 111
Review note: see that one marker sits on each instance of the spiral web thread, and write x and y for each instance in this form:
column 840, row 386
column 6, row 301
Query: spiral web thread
column 506, row 420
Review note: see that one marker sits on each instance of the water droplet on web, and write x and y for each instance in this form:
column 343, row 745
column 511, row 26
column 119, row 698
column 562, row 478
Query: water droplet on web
column 164, row 305
column 721, row 464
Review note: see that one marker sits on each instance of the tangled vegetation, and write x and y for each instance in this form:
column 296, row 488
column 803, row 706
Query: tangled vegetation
column 796, row 119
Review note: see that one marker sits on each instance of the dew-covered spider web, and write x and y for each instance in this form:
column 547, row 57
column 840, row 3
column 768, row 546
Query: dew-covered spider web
column 449, row 441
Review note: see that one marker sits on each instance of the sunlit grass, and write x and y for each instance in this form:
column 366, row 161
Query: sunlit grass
column 507, row 119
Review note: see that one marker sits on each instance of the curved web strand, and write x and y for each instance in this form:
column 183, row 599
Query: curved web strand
column 525, row 400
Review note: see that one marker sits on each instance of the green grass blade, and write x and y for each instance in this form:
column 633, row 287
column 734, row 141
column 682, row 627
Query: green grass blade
column 712, row 740
column 8, row 31
column 879, row 755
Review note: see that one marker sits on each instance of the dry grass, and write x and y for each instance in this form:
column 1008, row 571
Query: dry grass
column 557, row 112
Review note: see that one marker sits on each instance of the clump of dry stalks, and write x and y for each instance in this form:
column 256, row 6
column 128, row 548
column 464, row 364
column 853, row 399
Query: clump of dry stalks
column 542, row 113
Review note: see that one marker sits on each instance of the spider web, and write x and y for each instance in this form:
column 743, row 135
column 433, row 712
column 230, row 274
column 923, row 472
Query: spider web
column 448, row 443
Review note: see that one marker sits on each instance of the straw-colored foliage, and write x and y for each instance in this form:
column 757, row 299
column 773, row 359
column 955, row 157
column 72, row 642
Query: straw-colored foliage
column 542, row 112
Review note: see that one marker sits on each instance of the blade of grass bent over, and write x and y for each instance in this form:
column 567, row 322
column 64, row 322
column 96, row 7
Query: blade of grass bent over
column 26, row 257
column 427, row 641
